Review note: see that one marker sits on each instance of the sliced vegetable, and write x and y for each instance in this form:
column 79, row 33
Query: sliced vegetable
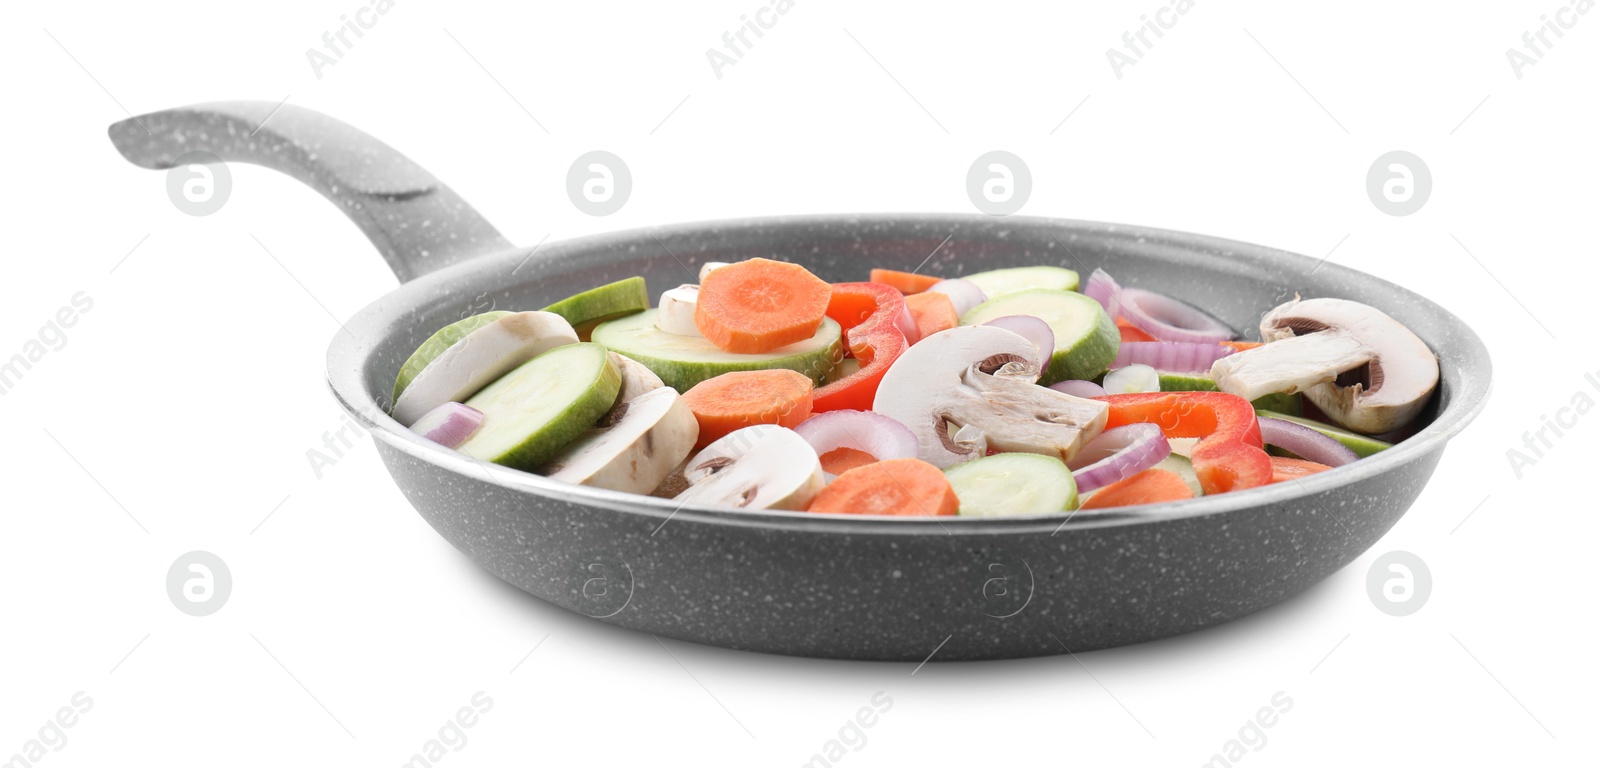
column 1079, row 388
column 1132, row 378
column 1200, row 382
column 436, row 344
column 1013, row 484
column 983, row 377
column 869, row 313
column 759, row 305
column 1031, row 328
column 841, row 460
column 907, row 283
column 873, row 435
column 1152, row 486
column 1175, row 356
column 1305, row 442
column 449, row 425
column 1182, row 467
column 675, row 313
column 479, row 358
column 933, row 312
column 1284, row 468
column 531, row 413
column 646, row 439
column 963, row 295
column 597, row 305
column 1086, row 339
column 1364, row 369
column 761, row 467
column 636, row 380
column 1361, row 445
column 1118, row 453
column 705, row 269
column 999, row 282
column 1131, row 332
column 684, row 361
column 900, row 487
column 1229, row 456
column 1161, row 316
column 741, row 399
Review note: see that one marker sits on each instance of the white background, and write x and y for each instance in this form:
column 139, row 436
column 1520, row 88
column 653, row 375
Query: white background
column 186, row 399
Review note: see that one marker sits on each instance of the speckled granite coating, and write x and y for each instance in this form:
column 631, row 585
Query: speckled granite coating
column 873, row 588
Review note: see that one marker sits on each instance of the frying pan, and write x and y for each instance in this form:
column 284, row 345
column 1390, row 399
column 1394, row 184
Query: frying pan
column 822, row 585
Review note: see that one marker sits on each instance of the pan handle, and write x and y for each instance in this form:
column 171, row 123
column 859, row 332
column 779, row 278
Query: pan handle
column 417, row 223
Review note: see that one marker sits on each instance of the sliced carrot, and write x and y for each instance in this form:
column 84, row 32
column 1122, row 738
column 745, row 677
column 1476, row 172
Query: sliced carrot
column 1131, row 332
column 1285, row 468
column 841, row 460
column 934, row 312
column 907, row 487
column 907, row 283
column 1151, row 486
column 759, row 305
column 1240, row 346
column 740, row 399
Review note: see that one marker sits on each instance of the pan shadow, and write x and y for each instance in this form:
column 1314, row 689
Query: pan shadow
column 1301, row 609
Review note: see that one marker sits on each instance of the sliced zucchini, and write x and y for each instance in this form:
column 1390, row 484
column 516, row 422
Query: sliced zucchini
column 1282, row 402
column 684, row 361
column 1013, row 484
column 999, row 282
column 1086, row 338
column 533, row 412
column 597, row 305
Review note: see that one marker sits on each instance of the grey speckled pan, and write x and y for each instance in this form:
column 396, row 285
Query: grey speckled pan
column 818, row 585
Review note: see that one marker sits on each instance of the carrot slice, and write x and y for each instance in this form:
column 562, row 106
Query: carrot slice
column 934, row 312
column 1131, row 332
column 1240, row 346
column 841, row 460
column 1285, row 468
column 1151, row 486
column 759, row 305
column 907, row 283
column 740, row 399
column 906, row 487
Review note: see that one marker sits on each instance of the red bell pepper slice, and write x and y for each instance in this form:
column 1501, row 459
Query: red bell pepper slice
column 867, row 312
column 1229, row 456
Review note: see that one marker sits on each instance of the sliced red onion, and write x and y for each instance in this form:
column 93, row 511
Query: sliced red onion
column 1159, row 315
column 1305, row 442
column 964, row 294
column 1034, row 330
column 1117, row 454
column 868, row 432
column 1079, row 388
column 908, row 326
column 1168, row 319
column 1133, row 378
column 1103, row 289
column 449, row 424
column 1170, row 356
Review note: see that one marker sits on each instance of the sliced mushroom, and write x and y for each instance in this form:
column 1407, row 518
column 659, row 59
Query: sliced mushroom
column 479, row 358
column 973, row 387
column 705, row 269
column 647, row 439
column 636, row 380
column 675, row 312
column 1364, row 369
column 760, row 467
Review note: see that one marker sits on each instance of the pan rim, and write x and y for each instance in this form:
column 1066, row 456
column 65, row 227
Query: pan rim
column 365, row 329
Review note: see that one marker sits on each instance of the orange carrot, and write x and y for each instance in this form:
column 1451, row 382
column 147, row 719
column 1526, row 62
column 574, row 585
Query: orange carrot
column 1151, row 486
column 1240, row 346
column 907, row 487
column 1131, row 332
column 1285, row 468
column 740, row 399
column 841, row 460
column 907, row 283
column 759, row 305
column 933, row 312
